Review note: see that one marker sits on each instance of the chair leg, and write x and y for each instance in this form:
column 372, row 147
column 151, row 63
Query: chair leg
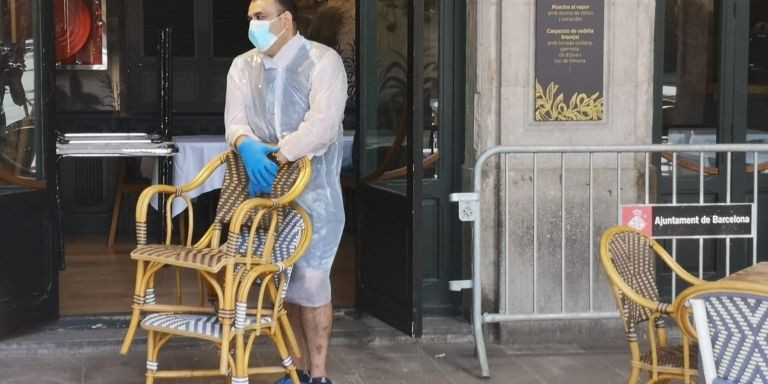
column 282, row 349
column 225, row 346
column 240, row 374
column 178, row 286
column 131, row 332
column 634, row 375
column 202, row 285
column 117, row 203
column 285, row 324
column 151, row 357
column 138, row 294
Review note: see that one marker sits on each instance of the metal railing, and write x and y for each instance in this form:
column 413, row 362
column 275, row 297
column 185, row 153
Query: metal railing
column 663, row 159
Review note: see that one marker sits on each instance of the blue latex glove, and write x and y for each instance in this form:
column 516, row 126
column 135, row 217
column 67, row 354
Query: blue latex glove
column 255, row 190
column 261, row 170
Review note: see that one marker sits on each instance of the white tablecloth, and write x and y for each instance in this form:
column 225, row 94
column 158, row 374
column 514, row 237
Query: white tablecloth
column 194, row 153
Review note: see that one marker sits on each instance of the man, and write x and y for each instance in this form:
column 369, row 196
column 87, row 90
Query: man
column 292, row 91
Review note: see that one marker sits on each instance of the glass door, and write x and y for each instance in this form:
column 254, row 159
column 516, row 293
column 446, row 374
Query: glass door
column 755, row 96
column 711, row 81
column 30, row 252
column 391, row 159
column 690, row 80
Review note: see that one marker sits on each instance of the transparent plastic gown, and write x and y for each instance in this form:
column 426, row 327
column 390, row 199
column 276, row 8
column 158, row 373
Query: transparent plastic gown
column 297, row 100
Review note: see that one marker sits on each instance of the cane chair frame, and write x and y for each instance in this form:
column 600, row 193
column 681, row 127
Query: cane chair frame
column 636, row 307
column 683, row 308
column 144, row 300
column 236, row 290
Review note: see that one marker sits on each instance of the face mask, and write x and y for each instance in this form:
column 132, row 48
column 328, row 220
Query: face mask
column 260, row 36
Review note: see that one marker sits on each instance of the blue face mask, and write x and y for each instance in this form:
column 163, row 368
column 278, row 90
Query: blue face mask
column 260, row 36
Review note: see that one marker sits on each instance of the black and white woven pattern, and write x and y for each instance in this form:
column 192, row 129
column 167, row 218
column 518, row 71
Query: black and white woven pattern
column 738, row 325
column 203, row 326
column 289, row 232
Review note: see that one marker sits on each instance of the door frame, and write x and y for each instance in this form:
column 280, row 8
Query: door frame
column 26, row 314
column 438, row 217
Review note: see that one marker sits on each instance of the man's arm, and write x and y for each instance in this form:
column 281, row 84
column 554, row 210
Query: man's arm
column 327, row 100
column 235, row 117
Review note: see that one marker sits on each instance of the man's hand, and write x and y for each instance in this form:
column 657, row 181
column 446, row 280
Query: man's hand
column 281, row 158
column 260, row 169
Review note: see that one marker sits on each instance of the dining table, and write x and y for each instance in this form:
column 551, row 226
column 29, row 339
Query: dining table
column 194, row 152
column 757, row 273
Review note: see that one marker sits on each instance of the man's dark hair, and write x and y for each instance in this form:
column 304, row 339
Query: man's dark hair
column 289, row 6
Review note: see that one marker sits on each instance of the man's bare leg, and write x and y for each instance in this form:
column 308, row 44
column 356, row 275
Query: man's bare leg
column 317, row 323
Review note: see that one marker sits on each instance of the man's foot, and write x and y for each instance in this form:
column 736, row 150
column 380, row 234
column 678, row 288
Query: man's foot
column 304, row 378
column 321, row 380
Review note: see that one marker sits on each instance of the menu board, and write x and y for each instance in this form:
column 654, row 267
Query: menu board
column 569, row 60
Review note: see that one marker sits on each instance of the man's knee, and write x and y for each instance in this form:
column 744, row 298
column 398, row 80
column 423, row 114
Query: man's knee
column 309, row 288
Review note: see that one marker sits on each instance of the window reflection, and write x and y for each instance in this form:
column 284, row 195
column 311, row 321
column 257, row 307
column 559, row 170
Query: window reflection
column 757, row 91
column 386, row 142
column 18, row 162
column 691, row 71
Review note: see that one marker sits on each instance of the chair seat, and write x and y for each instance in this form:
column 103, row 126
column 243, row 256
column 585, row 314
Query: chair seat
column 672, row 357
column 211, row 260
column 193, row 325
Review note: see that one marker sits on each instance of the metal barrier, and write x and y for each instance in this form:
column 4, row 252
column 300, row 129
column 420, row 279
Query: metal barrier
column 695, row 160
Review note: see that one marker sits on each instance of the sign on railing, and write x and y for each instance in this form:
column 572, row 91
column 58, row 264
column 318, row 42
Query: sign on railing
column 691, row 220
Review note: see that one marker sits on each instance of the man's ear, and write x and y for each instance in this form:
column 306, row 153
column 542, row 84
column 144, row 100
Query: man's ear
column 288, row 20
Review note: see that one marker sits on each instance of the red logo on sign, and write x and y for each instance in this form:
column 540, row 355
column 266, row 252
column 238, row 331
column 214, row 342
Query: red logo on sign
column 638, row 217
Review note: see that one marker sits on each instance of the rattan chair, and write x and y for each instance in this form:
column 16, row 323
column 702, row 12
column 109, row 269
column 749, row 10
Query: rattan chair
column 206, row 257
column 260, row 258
column 629, row 260
column 731, row 321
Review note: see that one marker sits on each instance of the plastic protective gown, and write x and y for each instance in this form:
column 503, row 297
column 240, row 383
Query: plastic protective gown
column 297, row 100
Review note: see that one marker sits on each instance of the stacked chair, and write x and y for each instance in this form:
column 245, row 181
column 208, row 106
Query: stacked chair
column 246, row 277
column 731, row 319
column 629, row 259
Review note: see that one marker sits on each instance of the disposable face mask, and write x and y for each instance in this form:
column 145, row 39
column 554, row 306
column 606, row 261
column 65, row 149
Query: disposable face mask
column 260, row 36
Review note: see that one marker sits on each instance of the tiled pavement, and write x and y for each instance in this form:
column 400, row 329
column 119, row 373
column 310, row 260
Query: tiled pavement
column 364, row 350
column 407, row 362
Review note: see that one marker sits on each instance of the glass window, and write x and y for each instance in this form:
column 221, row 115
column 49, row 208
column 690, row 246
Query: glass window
column 19, row 132
column 757, row 91
column 691, row 72
column 386, row 143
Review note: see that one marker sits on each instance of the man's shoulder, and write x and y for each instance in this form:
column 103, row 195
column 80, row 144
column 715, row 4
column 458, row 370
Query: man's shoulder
column 246, row 56
column 320, row 51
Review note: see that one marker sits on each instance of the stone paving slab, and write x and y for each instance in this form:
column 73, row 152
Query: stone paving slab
column 408, row 362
